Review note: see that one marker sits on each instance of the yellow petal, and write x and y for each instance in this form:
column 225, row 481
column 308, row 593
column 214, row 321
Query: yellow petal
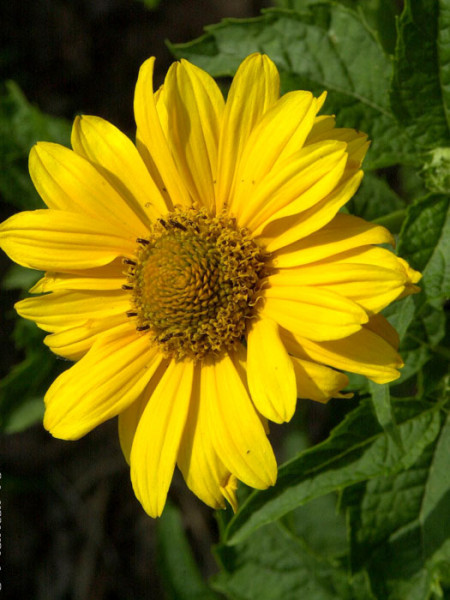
column 290, row 118
column 324, row 129
column 412, row 277
column 119, row 161
column 54, row 240
column 69, row 182
column 108, row 277
column 158, row 435
column 203, row 471
column 128, row 420
column 285, row 231
column 381, row 326
column 316, row 382
column 271, row 377
column 372, row 287
column 195, row 106
column 323, row 124
column 292, row 180
column 363, row 352
column 321, row 179
column 314, row 313
column 73, row 343
column 255, row 88
column 101, row 385
column 344, row 232
column 64, row 309
column 237, row 433
column 150, row 134
column 373, row 256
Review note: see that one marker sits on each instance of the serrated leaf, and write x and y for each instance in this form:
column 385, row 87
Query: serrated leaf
column 426, row 330
column 358, row 449
column 180, row 573
column 21, row 126
column 379, row 14
column 419, row 67
column 328, row 48
column 400, row 525
column 425, row 242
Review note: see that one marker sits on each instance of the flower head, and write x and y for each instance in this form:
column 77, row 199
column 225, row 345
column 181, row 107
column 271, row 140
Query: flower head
column 205, row 278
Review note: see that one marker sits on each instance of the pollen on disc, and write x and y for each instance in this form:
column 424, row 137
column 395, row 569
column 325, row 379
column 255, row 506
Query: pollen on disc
column 195, row 283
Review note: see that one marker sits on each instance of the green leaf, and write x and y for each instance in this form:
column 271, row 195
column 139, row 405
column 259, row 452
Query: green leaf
column 418, row 68
column 27, row 413
column 436, row 170
column 443, row 49
column 425, row 242
column 400, row 315
column 426, row 330
column 21, row 126
column 320, row 528
column 22, row 390
column 358, row 449
column 379, row 15
column 181, row 576
column 327, row 48
column 400, row 526
column 275, row 563
column 20, row 278
column 381, row 399
column 374, row 199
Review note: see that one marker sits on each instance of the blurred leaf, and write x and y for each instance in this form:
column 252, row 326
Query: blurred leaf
column 328, row 47
column 182, row 578
column 150, row 4
column 26, row 414
column 20, row 278
column 358, row 449
column 420, row 65
column 22, row 390
column 21, row 126
column 400, row 526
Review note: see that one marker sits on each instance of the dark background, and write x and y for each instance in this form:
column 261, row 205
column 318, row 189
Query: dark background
column 71, row 526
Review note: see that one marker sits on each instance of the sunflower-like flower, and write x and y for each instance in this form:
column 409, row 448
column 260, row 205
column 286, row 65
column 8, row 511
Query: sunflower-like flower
column 205, row 279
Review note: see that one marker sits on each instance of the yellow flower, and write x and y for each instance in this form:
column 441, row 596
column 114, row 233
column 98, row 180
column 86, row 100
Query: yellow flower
column 204, row 278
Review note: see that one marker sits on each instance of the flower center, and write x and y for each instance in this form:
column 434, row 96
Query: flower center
column 195, row 282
